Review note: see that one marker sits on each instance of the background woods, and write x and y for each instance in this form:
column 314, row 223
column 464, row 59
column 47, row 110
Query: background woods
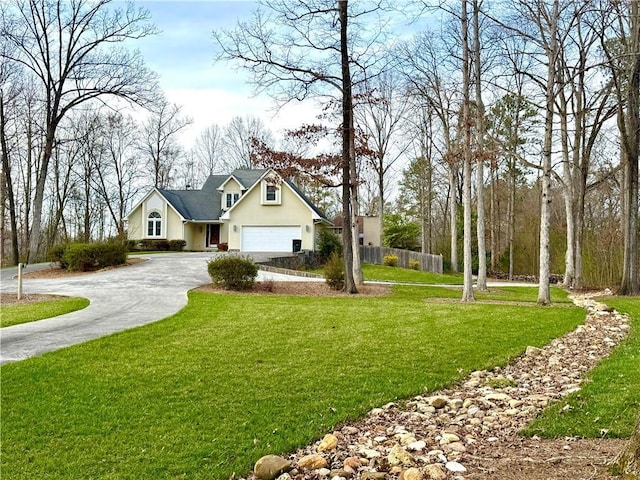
column 506, row 139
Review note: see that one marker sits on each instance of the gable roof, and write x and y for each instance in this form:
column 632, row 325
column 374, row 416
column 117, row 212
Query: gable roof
column 205, row 205
column 316, row 213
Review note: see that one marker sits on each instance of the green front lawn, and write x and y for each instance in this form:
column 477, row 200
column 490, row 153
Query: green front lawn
column 407, row 275
column 609, row 402
column 30, row 312
column 232, row 377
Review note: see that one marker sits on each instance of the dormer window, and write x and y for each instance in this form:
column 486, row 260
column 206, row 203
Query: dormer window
column 271, row 192
column 231, row 198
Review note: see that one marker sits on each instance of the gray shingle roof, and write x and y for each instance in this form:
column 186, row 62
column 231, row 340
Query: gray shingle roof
column 205, row 204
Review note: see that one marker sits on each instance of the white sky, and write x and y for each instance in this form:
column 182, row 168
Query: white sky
column 182, row 54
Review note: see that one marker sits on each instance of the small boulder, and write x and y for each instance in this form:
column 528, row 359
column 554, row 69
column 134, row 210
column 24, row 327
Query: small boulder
column 399, row 456
column 312, row 462
column 271, row 467
column 329, row 442
column 411, row 474
column 435, row 471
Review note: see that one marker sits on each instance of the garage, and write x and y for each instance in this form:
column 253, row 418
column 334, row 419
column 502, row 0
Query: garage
column 269, row 239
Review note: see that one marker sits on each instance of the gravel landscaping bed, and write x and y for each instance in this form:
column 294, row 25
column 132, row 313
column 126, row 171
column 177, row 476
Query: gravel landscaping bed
column 471, row 431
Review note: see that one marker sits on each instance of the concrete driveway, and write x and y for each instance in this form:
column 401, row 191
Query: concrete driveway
column 121, row 298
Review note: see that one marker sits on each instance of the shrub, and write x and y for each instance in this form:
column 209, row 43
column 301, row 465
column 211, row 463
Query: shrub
column 328, row 243
column 56, row 252
column 177, row 245
column 155, row 245
column 133, row 245
column 414, row 264
column 390, row 260
column 223, row 247
column 334, row 272
column 91, row 256
column 233, row 272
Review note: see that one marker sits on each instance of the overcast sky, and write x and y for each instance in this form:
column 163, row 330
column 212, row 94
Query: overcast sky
column 182, row 54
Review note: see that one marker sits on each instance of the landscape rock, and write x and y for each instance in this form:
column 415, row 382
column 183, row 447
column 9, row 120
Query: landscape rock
column 312, row 462
column 448, row 428
column 271, row 467
column 435, row 471
column 399, row 456
column 329, row 442
column 411, row 474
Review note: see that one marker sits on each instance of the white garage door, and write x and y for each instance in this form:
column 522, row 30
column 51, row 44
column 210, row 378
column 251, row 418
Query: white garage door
column 269, row 239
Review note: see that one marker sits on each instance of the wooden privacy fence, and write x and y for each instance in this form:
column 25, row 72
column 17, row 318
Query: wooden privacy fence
column 375, row 255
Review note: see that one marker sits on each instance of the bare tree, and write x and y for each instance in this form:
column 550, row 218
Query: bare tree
column 467, row 289
column 9, row 93
column 69, row 47
column 480, row 149
column 238, row 138
column 425, row 64
column 208, row 150
column 303, row 48
column 538, row 23
column 159, row 143
column 117, row 169
column 379, row 113
column 620, row 42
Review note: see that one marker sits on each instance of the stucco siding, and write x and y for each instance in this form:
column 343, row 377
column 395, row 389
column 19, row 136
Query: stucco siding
column 134, row 227
column 291, row 211
column 174, row 228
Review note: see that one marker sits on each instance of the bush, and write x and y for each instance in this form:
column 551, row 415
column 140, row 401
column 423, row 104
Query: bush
column 328, row 243
column 223, row 247
column 83, row 257
column 233, row 272
column 154, row 245
column 177, row 245
column 56, row 252
column 390, row 260
column 334, row 272
column 414, row 264
column 133, row 245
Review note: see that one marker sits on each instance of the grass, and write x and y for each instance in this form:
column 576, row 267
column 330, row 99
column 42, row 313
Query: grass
column 407, row 275
column 30, row 312
column 501, row 294
column 232, row 377
column 609, row 402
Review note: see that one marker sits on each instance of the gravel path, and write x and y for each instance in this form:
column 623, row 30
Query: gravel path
column 470, row 431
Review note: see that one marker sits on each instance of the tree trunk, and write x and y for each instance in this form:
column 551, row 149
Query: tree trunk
column 453, row 216
column 544, row 293
column 628, row 461
column 467, row 290
column 7, row 188
column 482, row 250
column 630, row 284
column 347, row 134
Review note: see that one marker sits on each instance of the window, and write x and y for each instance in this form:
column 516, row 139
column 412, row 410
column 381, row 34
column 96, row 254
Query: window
column 154, row 225
column 232, row 198
column 271, row 193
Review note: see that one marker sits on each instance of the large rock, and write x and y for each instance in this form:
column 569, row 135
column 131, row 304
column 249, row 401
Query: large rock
column 271, row 467
column 437, row 401
column 399, row 456
column 312, row 462
column 329, row 442
column 373, row 476
column 435, row 471
column 411, row 474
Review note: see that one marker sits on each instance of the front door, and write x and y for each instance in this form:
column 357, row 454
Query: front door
column 213, row 234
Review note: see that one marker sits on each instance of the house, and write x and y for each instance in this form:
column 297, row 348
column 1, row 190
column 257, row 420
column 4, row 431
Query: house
column 249, row 210
column 369, row 229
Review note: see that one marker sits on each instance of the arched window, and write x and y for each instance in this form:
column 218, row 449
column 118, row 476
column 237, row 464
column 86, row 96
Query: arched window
column 154, row 224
